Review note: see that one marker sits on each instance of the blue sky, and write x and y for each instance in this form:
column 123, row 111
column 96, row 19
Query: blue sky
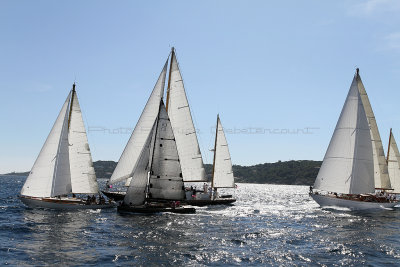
column 281, row 67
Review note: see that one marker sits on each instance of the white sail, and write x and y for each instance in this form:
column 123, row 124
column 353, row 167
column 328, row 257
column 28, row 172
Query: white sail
column 62, row 173
column 136, row 193
column 223, row 174
column 182, row 124
column 348, row 163
column 166, row 176
column 135, row 145
column 83, row 177
column 381, row 175
column 394, row 164
column 40, row 180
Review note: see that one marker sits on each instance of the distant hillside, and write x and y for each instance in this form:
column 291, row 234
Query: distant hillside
column 104, row 169
column 294, row 172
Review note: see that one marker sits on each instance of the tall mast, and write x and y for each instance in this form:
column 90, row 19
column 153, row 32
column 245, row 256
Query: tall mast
column 390, row 138
column 215, row 151
column 70, row 106
column 169, row 77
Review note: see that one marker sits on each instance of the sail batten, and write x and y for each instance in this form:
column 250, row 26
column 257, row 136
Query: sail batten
column 183, row 127
column 348, row 165
column 131, row 153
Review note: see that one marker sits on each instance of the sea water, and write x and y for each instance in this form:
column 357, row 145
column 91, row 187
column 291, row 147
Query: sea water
column 277, row 225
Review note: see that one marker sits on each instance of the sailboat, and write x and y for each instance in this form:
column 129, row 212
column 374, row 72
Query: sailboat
column 178, row 110
column 393, row 162
column 157, row 183
column 347, row 177
column 222, row 174
column 64, row 165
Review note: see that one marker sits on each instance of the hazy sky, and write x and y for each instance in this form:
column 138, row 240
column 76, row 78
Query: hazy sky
column 277, row 71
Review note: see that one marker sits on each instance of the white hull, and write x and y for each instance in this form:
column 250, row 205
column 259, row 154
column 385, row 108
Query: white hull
column 63, row 204
column 327, row 201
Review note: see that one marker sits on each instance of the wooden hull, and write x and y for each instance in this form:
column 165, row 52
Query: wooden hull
column 328, row 201
column 208, row 202
column 61, row 204
column 154, row 209
column 116, row 196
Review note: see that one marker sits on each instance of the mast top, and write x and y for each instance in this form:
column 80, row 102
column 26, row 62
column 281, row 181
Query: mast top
column 357, row 71
column 73, row 87
column 172, row 49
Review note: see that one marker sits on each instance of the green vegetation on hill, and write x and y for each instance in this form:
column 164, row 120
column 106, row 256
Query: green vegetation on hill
column 294, row 172
column 104, row 169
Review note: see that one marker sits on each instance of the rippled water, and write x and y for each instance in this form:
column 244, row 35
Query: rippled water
column 269, row 225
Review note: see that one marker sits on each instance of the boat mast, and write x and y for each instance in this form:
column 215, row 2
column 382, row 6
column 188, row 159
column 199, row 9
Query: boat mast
column 215, row 151
column 390, row 138
column 169, row 77
column 70, row 106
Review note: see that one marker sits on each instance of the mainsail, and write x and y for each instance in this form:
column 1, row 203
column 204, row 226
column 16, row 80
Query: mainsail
column 381, row 175
column 393, row 161
column 166, row 176
column 348, row 165
column 182, row 124
column 222, row 169
column 133, row 148
column 83, row 176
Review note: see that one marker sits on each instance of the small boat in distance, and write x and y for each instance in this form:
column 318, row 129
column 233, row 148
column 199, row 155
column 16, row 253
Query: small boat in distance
column 64, row 167
column 346, row 177
column 222, row 175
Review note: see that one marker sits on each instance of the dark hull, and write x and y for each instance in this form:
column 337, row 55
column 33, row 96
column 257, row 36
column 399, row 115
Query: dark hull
column 208, row 202
column 116, row 196
column 154, row 209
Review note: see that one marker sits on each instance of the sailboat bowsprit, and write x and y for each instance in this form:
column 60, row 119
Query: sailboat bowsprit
column 352, row 167
column 64, row 165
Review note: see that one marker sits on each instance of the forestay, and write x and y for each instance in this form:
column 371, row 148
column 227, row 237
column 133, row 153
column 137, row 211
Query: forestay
column 223, row 174
column 184, row 130
column 348, row 163
column 131, row 153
